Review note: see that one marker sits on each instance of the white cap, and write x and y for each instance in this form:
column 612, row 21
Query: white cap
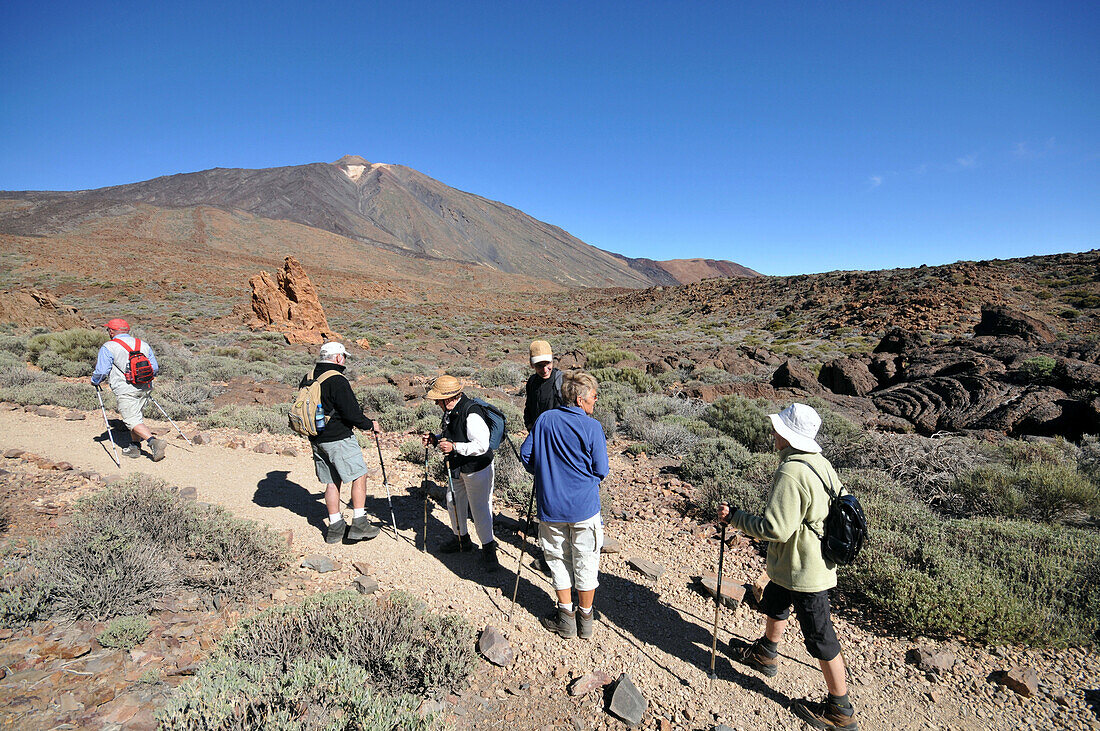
column 798, row 424
column 332, row 348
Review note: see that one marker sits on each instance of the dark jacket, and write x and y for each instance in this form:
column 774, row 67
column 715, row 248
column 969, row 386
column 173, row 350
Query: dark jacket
column 453, row 429
column 339, row 403
column 543, row 394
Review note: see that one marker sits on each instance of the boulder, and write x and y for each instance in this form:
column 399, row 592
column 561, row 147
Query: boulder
column 287, row 302
column 900, row 342
column 928, row 660
column 1001, row 321
column 611, row 545
column 795, row 375
column 847, row 376
column 495, row 648
column 1023, row 681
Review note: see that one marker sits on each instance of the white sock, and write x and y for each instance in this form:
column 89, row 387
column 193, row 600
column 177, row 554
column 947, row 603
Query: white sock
column 565, row 607
column 585, row 612
column 358, row 512
column 334, row 518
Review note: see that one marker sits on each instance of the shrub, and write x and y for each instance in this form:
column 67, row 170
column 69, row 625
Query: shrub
column 400, row 644
column 252, row 419
column 607, row 420
column 640, row 381
column 743, row 419
column 615, row 397
column 241, row 694
column 511, row 482
column 1039, row 369
column 50, row 390
column 380, row 398
column 397, row 420
column 185, row 400
column 513, row 416
column 70, row 353
column 1005, row 581
column 662, row 438
column 125, row 632
column 506, row 373
column 713, row 466
column 602, row 358
column 927, row 466
column 411, row 450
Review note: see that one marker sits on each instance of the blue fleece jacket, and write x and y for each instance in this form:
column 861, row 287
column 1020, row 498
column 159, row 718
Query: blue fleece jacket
column 566, row 451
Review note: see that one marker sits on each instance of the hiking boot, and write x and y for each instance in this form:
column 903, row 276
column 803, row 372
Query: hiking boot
column 584, row 624
column 362, row 530
column 157, row 446
column 456, row 544
column 825, row 714
column 561, row 622
column 133, row 451
column 755, row 656
column 489, row 557
column 335, row 532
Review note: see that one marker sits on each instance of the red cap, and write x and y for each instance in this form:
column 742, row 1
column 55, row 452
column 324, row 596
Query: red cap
column 118, row 324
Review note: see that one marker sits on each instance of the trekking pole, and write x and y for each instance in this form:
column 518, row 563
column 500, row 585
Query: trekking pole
column 522, row 549
column 717, row 603
column 110, row 436
column 386, row 482
column 424, row 545
column 166, row 416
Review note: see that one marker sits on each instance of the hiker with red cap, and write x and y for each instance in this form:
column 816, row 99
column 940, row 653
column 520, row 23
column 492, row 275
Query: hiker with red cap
column 128, row 364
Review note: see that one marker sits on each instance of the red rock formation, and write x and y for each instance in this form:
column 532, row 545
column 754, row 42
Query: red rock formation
column 29, row 308
column 288, row 303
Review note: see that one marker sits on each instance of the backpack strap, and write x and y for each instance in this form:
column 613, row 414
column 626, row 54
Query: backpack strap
column 124, row 346
column 321, row 379
column 828, row 490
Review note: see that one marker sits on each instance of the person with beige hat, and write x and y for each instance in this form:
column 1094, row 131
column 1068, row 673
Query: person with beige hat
column 544, row 385
column 800, row 575
column 464, row 441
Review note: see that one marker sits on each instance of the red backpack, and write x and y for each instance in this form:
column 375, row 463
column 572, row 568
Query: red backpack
column 140, row 372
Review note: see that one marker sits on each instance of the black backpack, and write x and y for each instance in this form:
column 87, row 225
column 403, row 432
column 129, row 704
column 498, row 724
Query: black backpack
column 845, row 525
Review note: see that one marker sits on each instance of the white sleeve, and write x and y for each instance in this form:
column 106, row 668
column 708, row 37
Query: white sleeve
column 477, row 431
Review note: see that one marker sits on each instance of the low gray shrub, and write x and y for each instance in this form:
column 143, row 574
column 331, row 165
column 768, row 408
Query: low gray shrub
column 69, row 353
column 745, row 420
column 252, row 419
column 125, row 632
column 506, row 373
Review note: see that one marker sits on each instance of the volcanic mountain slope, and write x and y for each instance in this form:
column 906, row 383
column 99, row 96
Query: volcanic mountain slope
column 390, row 206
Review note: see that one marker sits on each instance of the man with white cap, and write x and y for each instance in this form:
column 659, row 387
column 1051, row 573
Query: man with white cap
column 337, row 457
column 800, row 576
column 113, row 365
column 544, row 385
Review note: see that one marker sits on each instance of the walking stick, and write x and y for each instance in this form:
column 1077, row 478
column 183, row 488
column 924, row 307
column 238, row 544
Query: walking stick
column 166, row 416
column 386, row 482
column 110, row 436
column 424, row 545
column 717, row 603
column 522, row 548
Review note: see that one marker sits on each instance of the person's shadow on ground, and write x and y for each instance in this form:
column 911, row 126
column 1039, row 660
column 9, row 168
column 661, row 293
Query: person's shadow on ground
column 276, row 491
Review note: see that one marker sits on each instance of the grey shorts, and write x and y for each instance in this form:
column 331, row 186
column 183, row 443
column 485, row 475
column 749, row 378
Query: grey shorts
column 338, row 462
column 131, row 404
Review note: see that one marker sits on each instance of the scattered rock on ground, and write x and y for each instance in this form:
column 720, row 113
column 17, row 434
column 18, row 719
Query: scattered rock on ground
column 940, row 661
column 627, row 702
column 1024, row 681
column 365, row 584
column 495, row 648
column 589, row 682
column 317, row 562
column 646, row 568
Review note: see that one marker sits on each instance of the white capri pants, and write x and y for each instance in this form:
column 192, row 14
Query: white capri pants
column 473, row 495
column 572, row 552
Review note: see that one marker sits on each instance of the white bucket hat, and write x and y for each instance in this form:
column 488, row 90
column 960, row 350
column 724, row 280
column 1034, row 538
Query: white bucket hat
column 798, row 424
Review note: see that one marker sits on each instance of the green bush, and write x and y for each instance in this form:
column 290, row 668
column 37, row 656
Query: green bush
column 125, row 632
column 185, row 400
column 379, row 399
column 397, row 420
column 252, row 419
column 502, row 374
column 745, row 420
column 70, row 353
column 1039, row 369
column 640, row 381
column 1040, row 491
column 602, row 358
column 402, row 646
column 332, row 694
column 714, row 467
column 1004, row 581
column 411, row 450
column 48, row 389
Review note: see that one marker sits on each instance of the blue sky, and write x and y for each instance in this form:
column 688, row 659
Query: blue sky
column 788, row 137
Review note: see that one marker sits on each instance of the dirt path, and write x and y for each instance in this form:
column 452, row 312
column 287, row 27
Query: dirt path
column 657, row 631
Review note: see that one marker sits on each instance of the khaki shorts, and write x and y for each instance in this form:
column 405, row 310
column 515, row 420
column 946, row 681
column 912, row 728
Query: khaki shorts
column 572, row 551
column 338, row 462
column 131, row 406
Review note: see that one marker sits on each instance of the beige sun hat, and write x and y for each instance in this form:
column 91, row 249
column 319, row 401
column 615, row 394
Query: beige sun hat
column 798, row 424
column 541, row 352
column 444, row 387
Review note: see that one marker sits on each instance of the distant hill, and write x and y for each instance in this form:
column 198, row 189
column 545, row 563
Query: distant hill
column 390, row 206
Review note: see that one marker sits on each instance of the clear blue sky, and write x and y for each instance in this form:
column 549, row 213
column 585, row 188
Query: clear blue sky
column 789, row 137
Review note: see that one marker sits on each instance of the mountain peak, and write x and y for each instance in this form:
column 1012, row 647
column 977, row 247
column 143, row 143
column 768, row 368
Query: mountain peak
column 354, row 166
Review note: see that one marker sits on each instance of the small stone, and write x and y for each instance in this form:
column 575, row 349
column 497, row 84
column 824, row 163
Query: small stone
column 235, row 443
column 14, row 453
column 47, row 412
column 63, row 466
column 362, row 567
column 611, row 545
column 317, row 562
column 938, row 661
column 365, row 584
column 189, row 493
column 589, row 682
column 198, row 438
column 288, row 452
column 75, row 416
column 732, row 592
column 627, row 702
column 495, row 648
column 646, row 568
column 263, row 448
column 1024, row 681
